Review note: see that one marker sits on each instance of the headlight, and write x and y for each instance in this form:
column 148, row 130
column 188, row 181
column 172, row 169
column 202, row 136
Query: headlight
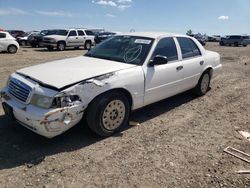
column 41, row 101
column 63, row 101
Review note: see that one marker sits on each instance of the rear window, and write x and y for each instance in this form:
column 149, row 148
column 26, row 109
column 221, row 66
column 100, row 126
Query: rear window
column 2, row 35
column 188, row 48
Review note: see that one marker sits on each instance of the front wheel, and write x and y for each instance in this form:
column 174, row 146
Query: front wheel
column 203, row 84
column 108, row 113
column 12, row 49
column 23, row 43
column 61, row 46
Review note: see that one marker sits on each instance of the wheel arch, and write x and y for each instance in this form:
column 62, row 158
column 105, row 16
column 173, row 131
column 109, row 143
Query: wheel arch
column 61, row 41
column 125, row 92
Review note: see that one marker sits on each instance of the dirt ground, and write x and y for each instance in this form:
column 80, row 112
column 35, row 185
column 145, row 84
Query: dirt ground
column 179, row 142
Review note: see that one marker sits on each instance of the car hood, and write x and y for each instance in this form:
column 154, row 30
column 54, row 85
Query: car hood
column 59, row 37
column 62, row 73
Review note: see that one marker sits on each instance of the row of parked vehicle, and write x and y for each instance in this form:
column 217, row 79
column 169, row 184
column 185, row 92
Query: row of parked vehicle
column 230, row 40
column 53, row 39
column 61, row 39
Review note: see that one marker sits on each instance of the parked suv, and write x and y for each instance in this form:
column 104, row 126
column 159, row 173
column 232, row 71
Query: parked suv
column 69, row 38
column 235, row 40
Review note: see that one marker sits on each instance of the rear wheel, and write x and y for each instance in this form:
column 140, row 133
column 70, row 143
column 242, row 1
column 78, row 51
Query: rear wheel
column 40, row 44
column 12, row 49
column 108, row 113
column 87, row 45
column 61, row 46
column 203, row 84
column 236, row 44
column 222, row 43
column 23, row 43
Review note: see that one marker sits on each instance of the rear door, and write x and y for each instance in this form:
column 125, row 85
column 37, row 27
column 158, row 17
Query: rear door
column 162, row 81
column 81, row 37
column 193, row 62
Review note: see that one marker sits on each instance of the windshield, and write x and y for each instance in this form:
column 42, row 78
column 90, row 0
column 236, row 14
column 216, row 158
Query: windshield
column 125, row 49
column 62, row 32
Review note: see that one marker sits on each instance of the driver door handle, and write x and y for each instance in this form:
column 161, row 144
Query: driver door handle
column 179, row 68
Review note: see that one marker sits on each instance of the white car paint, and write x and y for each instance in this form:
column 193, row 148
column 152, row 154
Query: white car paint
column 89, row 77
column 7, row 41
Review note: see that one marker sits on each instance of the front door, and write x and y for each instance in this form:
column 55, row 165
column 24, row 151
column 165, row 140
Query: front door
column 73, row 39
column 162, row 81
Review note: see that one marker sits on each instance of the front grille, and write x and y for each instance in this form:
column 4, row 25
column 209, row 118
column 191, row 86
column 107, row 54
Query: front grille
column 19, row 90
column 46, row 39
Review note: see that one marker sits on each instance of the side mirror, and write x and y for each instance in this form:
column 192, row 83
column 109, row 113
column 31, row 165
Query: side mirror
column 158, row 60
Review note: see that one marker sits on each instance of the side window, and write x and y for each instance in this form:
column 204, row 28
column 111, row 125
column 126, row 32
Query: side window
column 196, row 50
column 2, row 35
column 72, row 33
column 188, row 48
column 166, row 47
column 80, row 33
column 88, row 32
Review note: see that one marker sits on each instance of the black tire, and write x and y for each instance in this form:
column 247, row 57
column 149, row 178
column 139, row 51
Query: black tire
column 245, row 45
column 203, row 84
column 108, row 113
column 61, row 46
column 87, row 45
column 222, row 43
column 40, row 44
column 12, row 49
column 50, row 48
column 236, row 44
column 23, row 43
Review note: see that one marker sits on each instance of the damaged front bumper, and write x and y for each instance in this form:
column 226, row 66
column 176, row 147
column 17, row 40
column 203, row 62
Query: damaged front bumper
column 46, row 122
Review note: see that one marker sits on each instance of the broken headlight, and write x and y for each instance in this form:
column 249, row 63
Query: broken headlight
column 63, row 101
column 41, row 101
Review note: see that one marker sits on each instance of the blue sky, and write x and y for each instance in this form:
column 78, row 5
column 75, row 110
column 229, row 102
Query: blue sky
column 211, row 17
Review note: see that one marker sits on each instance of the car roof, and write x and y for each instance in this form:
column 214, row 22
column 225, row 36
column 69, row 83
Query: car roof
column 153, row 35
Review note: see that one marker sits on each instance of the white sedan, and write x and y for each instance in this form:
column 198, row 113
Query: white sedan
column 124, row 73
column 8, row 43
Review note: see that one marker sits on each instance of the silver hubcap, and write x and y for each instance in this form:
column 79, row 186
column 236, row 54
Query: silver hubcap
column 205, row 83
column 61, row 46
column 12, row 49
column 88, row 46
column 113, row 115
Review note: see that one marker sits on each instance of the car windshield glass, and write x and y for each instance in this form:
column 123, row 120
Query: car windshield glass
column 125, row 49
column 61, row 32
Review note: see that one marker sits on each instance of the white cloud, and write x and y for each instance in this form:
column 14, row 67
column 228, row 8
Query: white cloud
column 12, row 11
column 223, row 17
column 123, row 7
column 120, row 4
column 110, row 15
column 105, row 2
column 54, row 13
column 124, row 1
